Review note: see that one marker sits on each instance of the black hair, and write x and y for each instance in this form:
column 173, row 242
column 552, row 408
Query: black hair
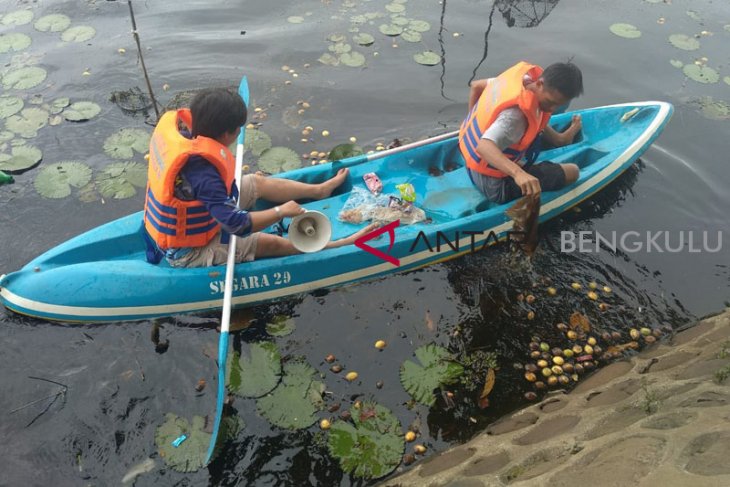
column 217, row 111
column 565, row 78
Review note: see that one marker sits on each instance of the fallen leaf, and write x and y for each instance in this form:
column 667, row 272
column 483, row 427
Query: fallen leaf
column 488, row 386
column 579, row 321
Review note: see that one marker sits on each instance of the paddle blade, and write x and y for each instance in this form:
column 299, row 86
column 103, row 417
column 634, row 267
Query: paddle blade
column 243, row 91
column 222, row 358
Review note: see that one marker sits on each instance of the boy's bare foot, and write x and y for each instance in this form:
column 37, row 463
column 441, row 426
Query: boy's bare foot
column 330, row 185
column 575, row 125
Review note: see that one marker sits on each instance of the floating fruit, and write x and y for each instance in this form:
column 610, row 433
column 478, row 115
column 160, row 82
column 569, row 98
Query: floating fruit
column 568, row 368
column 606, row 289
column 576, row 286
column 597, row 350
column 380, row 344
column 531, row 315
column 531, row 368
column 529, row 299
column 531, row 377
column 592, row 295
column 200, row 385
column 534, row 346
column 552, row 291
column 606, row 336
column 616, row 335
column 645, row 331
column 546, row 372
column 589, row 365
column 656, row 332
column 379, row 384
column 420, row 449
column 572, row 335
column 557, row 370
column 650, row 339
column 410, row 436
column 579, row 369
column 634, row 333
column 357, row 404
column 408, row 458
column 345, row 415
column 324, row 424
column 353, row 139
column 564, row 380
column 575, row 377
column 603, row 306
column 520, row 297
column 325, row 133
column 591, row 341
column 336, row 368
column 544, row 347
column 567, row 353
column 530, row 396
column 546, row 356
column 558, row 360
column 556, row 352
column 535, row 354
column 588, row 350
column 577, row 349
column 593, row 285
column 539, row 385
column 552, row 380
column 351, row 376
column 542, row 363
column 562, row 327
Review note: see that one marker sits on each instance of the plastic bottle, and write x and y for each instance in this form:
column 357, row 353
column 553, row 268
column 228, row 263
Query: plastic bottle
column 5, row 178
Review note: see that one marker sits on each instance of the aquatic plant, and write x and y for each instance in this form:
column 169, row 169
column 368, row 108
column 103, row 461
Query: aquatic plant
column 435, row 368
column 296, row 400
column 257, row 373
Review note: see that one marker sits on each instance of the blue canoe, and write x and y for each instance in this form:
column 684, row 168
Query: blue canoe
column 102, row 274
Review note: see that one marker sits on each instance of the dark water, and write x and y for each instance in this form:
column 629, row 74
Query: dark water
column 119, row 388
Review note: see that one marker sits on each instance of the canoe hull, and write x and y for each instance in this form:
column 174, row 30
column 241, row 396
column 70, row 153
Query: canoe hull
column 102, row 275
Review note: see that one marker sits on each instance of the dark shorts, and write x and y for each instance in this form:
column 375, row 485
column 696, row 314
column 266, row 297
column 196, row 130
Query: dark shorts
column 502, row 190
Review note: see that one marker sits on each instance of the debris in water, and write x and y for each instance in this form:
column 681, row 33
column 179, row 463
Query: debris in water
column 524, row 214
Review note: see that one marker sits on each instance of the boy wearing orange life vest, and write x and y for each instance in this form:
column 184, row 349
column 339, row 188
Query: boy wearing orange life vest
column 508, row 117
column 190, row 207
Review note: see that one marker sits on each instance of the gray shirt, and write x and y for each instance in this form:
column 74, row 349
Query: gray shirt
column 507, row 129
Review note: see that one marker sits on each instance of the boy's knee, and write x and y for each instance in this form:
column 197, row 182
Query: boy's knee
column 572, row 172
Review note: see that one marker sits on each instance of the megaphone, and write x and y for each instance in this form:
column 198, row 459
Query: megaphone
column 310, row 231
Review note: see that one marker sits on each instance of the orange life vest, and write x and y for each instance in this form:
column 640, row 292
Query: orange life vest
column 502, row 92
column 172, row 222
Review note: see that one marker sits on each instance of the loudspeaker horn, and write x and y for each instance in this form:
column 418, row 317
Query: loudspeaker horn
column 310, row 231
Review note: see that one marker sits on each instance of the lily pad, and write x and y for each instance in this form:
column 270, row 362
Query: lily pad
column 390, row 29
column 52, row 23
column 714, row 109
column 278, row 159
column 24, row 78
column 281, row 326
column 295, row 19
column 59, row 104
column 340, row 48
column 684, row 42
column 295, row 402
column 56, row 180
column 337, row 38
column 411, row 36
column 400, row 21
column 257, row 141
column 627, row 31
column 435, row 369
column 358, row 19
column 256, row 374
column 118, row 180
column 395, row 8
column 81, row 111
column 124, row 143
column 78, row 33
column 10, row 105
column 88, row 193
column 694, row 16
column 419, row 26
column 6, row 136
column 22, row 158
column 363, row 39
column 344, row 151
column 353, row 59
column 19, row 17
column 28, row 122
column 701, row 74
column 329, row 59
column 677, row 63
column 191, row 454
column 726, row 79
column 15, row 41
column 427, row 58
column 372, row 446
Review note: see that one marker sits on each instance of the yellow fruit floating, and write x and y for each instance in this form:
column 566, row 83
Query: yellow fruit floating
column 410, row 436
column 351, row 376
column 324, row 424
column 380, row 344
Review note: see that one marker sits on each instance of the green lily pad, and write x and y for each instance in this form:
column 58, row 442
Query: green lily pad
column 677, row 63
column 337, row 38
column 278, row 159
column 400, row 21
column 28, row 122
column 363, row 39
column 390, row 29
column 78, row 33
column 56, row 180
column 427, row 58
column 419, row 26
column 191, row 454
column 81, row 111
column 726, row 79
column 353, row 59
column 281, row 326
column 701, row 74
column 295, row 19
column 329, row 59
column 19, row 17
column 10, row 105
column 411, row 36
column 340, row 48
column 297, row 399
column 395, row 8
column 684, row 42
column 627, row 31
column 59, row 104
column 694, row 16
column 358, row 19
column 344, row 151
column 15, row 41
column 6, row 136
column 118, row 180
column 257, row 141
column 372, row 446
column 22, row 158
column 52, row 23
column 714, row 109
column 24, row 78
column 124, row 143
column 257, row 374
column 436, row 369
column 88, row 193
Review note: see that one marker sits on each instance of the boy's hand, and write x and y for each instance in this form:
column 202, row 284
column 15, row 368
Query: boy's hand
column 528, row 183
column 291, row 209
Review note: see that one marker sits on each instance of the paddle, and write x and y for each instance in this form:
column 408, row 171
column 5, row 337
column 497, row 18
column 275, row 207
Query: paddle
column 227, row 294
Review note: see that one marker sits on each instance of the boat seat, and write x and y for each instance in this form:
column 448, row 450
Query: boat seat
column 452, row 195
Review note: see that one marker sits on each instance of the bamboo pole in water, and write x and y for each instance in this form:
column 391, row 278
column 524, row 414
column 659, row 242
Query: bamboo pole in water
column 141, row 59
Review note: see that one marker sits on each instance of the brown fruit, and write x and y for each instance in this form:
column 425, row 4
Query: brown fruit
column 530, row 396
column 572, row 335
column 552, row 380
column 542, row 363
column 336, row 368
column 562, row 327
column 564, row 380
column 568, row 368
column 329, row 358
column 540, row 385
column 529, row 299
column 531, row 377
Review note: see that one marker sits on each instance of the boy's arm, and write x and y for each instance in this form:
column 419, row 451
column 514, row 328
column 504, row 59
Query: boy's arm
column 476, row 88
